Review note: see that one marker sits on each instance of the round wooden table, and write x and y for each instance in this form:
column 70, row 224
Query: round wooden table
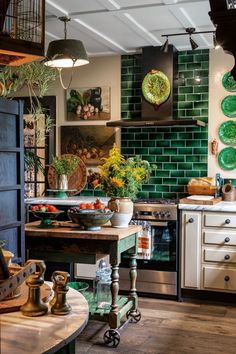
column 44, row 334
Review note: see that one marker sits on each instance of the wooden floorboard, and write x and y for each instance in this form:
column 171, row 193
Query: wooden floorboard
column 169, row 327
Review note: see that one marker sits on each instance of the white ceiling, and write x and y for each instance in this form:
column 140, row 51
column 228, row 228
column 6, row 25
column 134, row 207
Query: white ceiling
column 109, row 27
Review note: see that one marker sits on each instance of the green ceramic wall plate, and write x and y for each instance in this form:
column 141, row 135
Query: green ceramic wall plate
column 227, row 132
column 228, row 106
column 228, row 82
column 156, row 87
column 227, row 159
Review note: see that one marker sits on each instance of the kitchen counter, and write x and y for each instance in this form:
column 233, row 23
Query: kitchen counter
column 69, row 243
column 221, row 206
column 70, row 201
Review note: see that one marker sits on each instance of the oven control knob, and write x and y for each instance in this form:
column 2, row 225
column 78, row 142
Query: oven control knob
column 156, row 214
column 162, row 214
column 167, row 214
column 136, row 215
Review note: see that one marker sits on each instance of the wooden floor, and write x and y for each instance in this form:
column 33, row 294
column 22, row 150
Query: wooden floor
column 169, row 327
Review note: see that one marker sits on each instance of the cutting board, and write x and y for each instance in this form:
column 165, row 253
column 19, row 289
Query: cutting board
column 200, row 202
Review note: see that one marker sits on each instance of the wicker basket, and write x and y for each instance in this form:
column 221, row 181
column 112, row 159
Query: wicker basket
column 201, row 190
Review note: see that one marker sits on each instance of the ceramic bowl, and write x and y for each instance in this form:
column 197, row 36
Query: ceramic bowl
column 47, row 217
column 90, row 219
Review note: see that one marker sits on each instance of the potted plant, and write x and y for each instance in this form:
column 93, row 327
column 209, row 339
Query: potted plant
column 64, row 166
column 120, row 179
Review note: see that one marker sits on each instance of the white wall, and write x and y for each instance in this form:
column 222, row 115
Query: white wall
column 101, row 71
column 220, row 63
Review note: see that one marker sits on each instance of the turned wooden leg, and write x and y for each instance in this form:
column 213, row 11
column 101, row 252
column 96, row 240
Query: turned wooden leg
column 133, row 278
column 133, row 275
column 113, row 318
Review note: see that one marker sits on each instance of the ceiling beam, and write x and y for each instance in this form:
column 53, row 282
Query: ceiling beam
column 109, row 4
column 94, row 33
column 53, row 8
column 136, row 27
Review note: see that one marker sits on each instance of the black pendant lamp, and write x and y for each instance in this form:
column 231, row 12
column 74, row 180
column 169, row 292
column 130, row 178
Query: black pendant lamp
column 66, row 53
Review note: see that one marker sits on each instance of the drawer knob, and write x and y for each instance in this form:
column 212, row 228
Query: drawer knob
column 227, row 221
column 191, row 220
column 227, row 256
column 227, row 278
column 227, row 239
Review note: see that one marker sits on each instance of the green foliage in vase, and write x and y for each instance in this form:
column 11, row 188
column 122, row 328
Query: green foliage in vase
column 64, row 165
column 120, row 177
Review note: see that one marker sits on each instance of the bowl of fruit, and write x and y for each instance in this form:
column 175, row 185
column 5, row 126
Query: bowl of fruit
column 46, row 213
column 90, row 215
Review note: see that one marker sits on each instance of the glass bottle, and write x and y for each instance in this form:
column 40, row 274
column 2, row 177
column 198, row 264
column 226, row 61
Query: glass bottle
column 103, row 287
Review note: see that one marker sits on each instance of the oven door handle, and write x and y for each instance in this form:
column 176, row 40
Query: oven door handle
column 158, row 223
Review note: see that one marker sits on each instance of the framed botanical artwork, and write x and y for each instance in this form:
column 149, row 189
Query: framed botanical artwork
column 90, row 142
column 88, row 103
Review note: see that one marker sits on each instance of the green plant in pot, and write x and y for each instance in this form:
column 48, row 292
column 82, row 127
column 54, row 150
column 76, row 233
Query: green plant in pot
column 64, row 166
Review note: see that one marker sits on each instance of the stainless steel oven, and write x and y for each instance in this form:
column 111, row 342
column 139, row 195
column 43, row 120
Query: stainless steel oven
column 157, row 260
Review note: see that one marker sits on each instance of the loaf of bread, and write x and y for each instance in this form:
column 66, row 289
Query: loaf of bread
column 202, row 181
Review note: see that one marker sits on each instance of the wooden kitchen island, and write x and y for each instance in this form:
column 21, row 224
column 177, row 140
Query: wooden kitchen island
column 66, row 242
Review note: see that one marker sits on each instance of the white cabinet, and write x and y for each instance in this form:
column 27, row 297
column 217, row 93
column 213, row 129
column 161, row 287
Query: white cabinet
column 219, row 251
column 191, row 249
column 208, row 251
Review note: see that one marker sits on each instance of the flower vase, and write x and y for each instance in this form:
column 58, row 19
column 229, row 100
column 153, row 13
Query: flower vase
column 63, row 182
column 123, row 211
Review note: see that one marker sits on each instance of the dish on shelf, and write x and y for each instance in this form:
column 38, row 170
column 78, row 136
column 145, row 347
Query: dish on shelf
column 76, row 181
column 47, row 217
column 228, row 82
column 227, row 159
column 227, row 132
column 156, row 87
column 228, row 106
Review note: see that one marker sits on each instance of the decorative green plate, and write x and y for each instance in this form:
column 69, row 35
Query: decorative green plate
column 227, row 159
column 228, row 82
column 228, row 106
column 227, row 132
column 156, row 87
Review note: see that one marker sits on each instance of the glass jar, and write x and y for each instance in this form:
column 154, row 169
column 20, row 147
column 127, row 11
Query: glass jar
column 103, row 287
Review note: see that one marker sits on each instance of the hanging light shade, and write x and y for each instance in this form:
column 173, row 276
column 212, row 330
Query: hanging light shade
column 66, row 53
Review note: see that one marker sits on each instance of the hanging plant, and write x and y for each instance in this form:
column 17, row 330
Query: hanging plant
column 37, row 78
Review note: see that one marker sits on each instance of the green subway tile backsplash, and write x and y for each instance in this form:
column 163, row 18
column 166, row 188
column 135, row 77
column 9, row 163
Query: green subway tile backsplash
column 180, row 153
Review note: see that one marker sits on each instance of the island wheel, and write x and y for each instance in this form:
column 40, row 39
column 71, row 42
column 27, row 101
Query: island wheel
column 111, row 338
column 134, row 315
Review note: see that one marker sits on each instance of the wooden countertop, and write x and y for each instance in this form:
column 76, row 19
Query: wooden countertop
column 44, row 334
column 68, row 229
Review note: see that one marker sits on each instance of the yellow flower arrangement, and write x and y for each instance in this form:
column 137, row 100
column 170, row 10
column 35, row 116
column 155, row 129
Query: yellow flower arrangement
column 120, row 177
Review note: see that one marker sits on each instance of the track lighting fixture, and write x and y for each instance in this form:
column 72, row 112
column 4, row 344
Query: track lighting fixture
column 216, row 44
column 164, row 47
column 194, row 45
column 188, row 32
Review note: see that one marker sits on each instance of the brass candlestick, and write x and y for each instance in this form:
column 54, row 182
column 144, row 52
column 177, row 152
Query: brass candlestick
column 59, row 302
column 34, row 305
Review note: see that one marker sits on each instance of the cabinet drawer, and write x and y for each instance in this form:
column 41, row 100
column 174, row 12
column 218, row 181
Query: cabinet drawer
column 215, row 255
column 215, row 237
column 219, row 278
column 226, row 220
